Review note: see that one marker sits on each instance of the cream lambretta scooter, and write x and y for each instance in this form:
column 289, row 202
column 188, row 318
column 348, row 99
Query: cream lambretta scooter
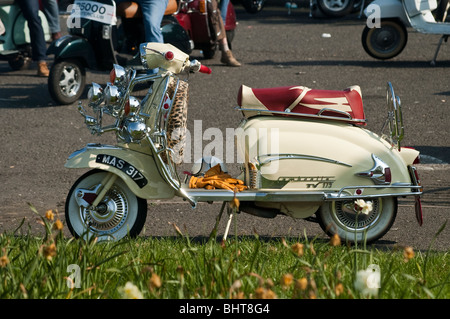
column 304, row 152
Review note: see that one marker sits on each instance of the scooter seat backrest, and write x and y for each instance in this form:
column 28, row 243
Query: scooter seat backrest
column 130, row 9
column 415, row 7
column 296, row 100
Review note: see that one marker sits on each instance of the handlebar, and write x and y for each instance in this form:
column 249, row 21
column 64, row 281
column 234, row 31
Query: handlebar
column 196, row 66
column 205, row 69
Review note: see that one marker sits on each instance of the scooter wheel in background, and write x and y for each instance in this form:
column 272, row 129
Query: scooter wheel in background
column 335, row 8
column 340, row 217
column 66, row 81
column 119, row 214
column 209, row 53
column 20, row 63
column 253, row 6
column 385, row 42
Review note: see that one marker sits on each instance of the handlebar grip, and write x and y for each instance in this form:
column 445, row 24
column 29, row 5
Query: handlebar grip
column 205, row 69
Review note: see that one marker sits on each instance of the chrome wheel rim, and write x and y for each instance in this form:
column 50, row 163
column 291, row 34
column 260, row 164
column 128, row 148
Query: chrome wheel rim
column 347, row 217
column 70, row 81
column 109, row 216
column 335, row 5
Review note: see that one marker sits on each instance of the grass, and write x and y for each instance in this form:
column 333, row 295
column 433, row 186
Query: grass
column 180, row 267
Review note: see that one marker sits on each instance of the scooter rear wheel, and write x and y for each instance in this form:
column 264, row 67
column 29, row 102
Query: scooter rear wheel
column 385, row 42
column 20, row 63
column 119, row 214
column 66, row 81
column 340, row 217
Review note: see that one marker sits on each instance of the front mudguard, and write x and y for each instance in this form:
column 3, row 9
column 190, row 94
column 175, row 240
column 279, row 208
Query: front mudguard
column 387, row 9
column 136, row 169
column 73, row 47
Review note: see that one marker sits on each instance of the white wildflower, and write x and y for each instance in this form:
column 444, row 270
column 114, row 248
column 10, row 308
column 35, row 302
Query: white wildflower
column 130, row 291
column 368, row 281
column 363, row 206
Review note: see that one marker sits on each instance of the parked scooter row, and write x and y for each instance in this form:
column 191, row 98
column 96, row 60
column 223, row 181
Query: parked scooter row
column 104, row 34
column 304, row 153
column 389, row 38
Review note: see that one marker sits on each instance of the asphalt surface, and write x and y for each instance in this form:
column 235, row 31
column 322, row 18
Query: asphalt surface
column 276, row 49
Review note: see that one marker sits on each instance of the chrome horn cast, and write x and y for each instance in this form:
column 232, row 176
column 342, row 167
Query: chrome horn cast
column 380, row 173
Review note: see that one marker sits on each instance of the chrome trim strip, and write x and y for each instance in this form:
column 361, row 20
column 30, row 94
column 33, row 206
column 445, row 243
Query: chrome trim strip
column 222, row 195
column 396, row 185
column 377, row 173
column 319, row 116
column 275, row 157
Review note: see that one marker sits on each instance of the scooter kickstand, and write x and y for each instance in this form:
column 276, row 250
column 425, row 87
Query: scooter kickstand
column 443, row 38
column 218, row 218
column 228, row 225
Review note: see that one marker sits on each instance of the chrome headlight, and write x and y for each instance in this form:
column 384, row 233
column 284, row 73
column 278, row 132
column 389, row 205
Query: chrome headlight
column 113, row 99
column 132, row 107
column 133, row 130
column 95, row 94
column 118, row 75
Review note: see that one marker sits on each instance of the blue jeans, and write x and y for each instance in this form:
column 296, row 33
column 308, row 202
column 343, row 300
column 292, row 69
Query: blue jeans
column 223, row 7
column 30, row 9
column 51, row 12
column 153, row 13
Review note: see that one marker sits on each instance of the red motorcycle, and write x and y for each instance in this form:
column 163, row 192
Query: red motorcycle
column 194, row 17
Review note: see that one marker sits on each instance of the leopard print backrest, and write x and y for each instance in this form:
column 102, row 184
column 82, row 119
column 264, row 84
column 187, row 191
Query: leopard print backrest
column 177, row 121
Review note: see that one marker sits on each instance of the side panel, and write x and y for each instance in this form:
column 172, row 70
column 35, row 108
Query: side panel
column 389, row 9
column 308, row 155
column 138, row 170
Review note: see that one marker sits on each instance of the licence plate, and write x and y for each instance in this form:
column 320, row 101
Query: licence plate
column 124, row 166
column 93, row 11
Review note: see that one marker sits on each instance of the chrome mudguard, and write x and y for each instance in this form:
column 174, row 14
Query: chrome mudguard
column 138, row 170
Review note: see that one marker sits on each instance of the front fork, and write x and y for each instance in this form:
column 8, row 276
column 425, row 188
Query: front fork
column 91, row 198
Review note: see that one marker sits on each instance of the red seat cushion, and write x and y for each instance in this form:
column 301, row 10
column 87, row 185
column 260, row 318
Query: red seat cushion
column 302, row 100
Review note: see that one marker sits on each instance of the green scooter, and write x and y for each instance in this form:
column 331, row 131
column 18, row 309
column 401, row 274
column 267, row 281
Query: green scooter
column 98, row 38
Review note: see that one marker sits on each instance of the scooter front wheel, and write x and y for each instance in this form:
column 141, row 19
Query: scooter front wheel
column 120, row 213
column 66, row 81
column 385, row 42
column 335, row 8
column 351, row 225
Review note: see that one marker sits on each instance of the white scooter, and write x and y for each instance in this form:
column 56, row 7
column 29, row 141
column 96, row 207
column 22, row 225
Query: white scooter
column 15, row 42
column 302, row 151
column 388, row 39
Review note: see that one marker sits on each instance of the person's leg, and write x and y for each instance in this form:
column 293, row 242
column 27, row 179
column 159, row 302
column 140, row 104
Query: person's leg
column 51, row 12
column 30, row 10
column 216, row 20
column 153, row 13
column 223, row 6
